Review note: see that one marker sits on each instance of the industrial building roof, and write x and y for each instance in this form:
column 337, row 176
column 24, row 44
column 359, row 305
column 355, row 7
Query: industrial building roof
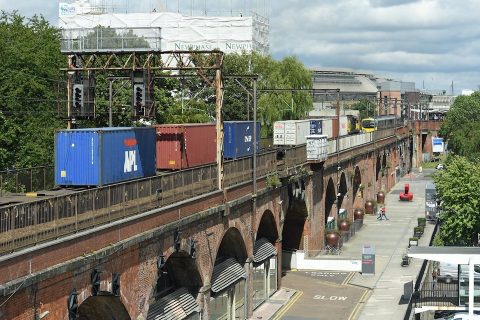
column 345, row 81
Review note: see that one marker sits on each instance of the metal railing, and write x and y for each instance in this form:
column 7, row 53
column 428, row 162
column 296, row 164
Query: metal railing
column 42, row 178
column 33, row 222
column 29, row 223
column 295, row 156
column 241, row 170
column 436, row 294
column 26, row 180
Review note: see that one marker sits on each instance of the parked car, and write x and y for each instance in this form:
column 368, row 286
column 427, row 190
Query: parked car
column 448, row 272
column 440, row 166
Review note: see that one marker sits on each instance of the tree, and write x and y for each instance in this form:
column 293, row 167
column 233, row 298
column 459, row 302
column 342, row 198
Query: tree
column 31, row 85
column 457, row 187
column 366, row 108
column 237, row 103
column 461, row 126
column 30, row 81
column 272, row 106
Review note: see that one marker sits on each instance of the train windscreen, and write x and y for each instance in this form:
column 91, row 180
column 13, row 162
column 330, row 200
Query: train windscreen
column 368, row 123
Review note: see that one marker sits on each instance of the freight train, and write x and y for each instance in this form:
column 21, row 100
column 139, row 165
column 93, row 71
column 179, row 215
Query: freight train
column 102, row 156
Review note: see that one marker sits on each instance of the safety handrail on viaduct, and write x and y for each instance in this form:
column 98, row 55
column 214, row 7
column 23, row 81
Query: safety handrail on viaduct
column 30, row 223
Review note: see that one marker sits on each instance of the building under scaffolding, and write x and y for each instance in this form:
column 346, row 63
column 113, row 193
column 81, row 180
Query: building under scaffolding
column 188, row 26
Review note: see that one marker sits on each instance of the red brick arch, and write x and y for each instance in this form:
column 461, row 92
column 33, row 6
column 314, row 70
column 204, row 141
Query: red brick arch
column 267, row 227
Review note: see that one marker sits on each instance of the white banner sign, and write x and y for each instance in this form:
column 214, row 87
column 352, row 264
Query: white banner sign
column 66, row 9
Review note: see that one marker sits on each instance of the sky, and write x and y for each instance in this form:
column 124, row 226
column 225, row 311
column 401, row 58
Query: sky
column 430, row 42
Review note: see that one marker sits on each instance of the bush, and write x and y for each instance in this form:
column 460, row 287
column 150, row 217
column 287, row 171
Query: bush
column 422, row 221
column 418, row 229
column 273, row 181
column 414, row 240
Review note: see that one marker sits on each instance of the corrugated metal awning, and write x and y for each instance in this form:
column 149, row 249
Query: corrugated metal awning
column 226, row 273
column 454, row 255
column 174, row 306
column 262, row 250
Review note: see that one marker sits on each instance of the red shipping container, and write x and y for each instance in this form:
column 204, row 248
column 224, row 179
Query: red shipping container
column 181, row 146
column 334, row 128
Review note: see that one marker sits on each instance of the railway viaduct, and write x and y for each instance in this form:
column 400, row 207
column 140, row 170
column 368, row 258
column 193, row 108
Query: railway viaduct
column 185, row 248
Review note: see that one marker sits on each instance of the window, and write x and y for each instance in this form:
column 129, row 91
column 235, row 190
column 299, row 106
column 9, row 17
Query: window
column 463, row 283
column 272, row 273
column 259, row 283
column 229, row 304
column 218, row 306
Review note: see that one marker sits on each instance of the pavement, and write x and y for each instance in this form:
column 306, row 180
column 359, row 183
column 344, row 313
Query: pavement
column 384, row 289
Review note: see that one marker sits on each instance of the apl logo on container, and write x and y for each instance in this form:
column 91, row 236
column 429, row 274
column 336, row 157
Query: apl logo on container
column 130, row 163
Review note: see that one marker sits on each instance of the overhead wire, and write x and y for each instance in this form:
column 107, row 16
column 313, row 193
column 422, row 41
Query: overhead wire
column 35, row 76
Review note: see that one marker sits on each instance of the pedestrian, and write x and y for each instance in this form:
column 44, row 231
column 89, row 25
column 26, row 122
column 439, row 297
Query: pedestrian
column 383, row 213
column 434, row 276
column 379, row 212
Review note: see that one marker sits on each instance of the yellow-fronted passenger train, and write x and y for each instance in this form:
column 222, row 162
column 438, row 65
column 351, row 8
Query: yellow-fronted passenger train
column 378, row 123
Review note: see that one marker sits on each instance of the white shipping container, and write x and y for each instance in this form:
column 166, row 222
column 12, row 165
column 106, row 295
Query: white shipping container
column 317, row 147
column 290, row 132
column 327, row 127
column 279, row 133
column 343, row 125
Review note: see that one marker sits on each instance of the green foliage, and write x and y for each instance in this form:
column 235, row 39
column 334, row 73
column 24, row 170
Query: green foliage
column 366, row 108
column 282, row 105
column 33, row 90
column 273, row 180
column 288, row 73
column 121, row 103
column 418, row 229
column 461, row 126
column 457, row 187
column 412, row 239
column 422, row 221
column 30, row 83
column 437, row 241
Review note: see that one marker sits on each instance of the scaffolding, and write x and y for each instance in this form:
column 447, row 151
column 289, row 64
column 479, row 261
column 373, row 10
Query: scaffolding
column 192, row 8
column 227, row 29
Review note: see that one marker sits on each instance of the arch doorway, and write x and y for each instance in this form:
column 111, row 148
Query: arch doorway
column 102, row 307
column 228, row 289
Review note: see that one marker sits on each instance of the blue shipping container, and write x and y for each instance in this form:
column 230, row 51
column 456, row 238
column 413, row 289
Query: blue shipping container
column 238, row 139
column 315, row 126
column 101, row 156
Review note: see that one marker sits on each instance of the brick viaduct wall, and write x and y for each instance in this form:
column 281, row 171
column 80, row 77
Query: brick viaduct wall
column 46, row 277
